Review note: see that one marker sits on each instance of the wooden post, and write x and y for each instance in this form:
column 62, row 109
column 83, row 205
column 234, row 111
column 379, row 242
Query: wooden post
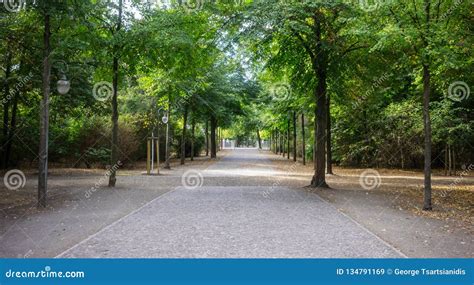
column 157, row 156
column 152, row 159
column 148, row 155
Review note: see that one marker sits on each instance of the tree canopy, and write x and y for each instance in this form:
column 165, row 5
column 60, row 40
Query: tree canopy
column 385, row 84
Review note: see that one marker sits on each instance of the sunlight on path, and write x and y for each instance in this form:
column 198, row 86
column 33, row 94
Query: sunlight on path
column 234, row 221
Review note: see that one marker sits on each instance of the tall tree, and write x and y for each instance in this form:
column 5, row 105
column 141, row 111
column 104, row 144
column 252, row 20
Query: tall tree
column 329, row 135
column 294, row 137
column 303, row 139
column 310, row 38
column 115, row 114
column 421, row 30
column 183, row 135
column 44, row 127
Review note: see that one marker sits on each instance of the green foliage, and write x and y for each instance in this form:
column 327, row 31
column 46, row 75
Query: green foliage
column 226, row 61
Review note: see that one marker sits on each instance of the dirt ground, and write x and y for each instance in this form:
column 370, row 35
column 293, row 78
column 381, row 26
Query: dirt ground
column 75, row 211
column 391, row 211
column 453, row 196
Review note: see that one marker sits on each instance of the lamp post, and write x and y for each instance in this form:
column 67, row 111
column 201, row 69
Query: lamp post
column 63, row 85
column 151, row 146
column 165, row 120
column 167, row 150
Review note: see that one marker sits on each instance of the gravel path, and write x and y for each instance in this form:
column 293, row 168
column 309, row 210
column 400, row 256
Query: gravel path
column 263, row 220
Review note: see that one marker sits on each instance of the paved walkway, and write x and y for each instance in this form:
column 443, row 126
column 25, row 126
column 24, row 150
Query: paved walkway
column 243, row 210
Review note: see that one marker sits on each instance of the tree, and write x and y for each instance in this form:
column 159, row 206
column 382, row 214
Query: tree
column 418, row 25
column 44, row 127
column 318, row 31
column 115, row 114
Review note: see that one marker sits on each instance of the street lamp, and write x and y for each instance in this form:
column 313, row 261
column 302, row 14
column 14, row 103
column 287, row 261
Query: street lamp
column 164, row 119
column 63, row 85
column 155, row 140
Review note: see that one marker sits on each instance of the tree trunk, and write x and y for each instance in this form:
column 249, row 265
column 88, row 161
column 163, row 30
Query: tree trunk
column 320, row 68
column 221, row 140
column 315, row 137
column 303, row 138
column 294, row 137
column 328, row 137
column 271, row 141
column 183, row 136
column 115, row 114
column 288, row 138
column 280, row 136
column 454, row 162
column 402, row 153
column 6, row 107
column 207, row 137
column 283, row 144
column 446, row 160
column 427, row 128
column 193, row 128
column 213, row 137
column 218, row 139
column 259, row 139
column 319, row 178
column 44, row 118
column 275, row 142
column 12, row 130
column 450, row 164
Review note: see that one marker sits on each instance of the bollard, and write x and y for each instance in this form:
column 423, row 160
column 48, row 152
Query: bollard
column 148, row 155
